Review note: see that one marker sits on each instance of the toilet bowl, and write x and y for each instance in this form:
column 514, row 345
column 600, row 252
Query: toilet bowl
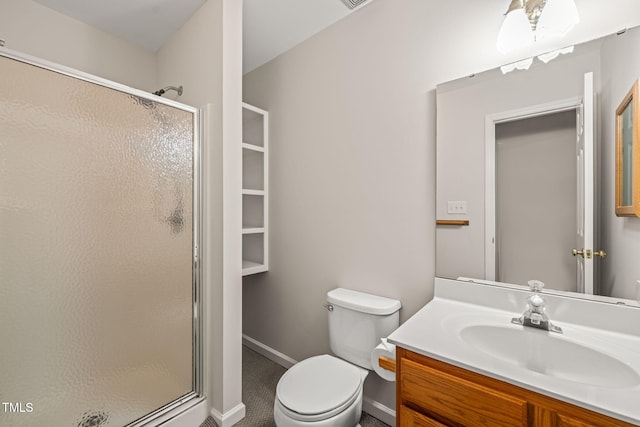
column 321, row 391
column 325, row 390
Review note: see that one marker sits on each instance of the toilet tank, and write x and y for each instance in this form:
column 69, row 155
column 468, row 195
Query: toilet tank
column 357, row 321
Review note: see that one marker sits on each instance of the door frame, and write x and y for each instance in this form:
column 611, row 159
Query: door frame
column 491, row 120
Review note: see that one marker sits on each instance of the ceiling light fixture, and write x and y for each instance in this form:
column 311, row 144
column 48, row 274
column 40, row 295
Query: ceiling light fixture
column 546, row 57
column 529, row 20
column 520, row 65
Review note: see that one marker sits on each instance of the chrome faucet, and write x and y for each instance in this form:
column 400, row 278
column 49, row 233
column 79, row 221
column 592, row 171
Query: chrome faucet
column 535, row 315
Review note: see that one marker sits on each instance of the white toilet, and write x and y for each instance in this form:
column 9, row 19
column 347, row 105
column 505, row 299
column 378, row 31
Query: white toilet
column 326, row 391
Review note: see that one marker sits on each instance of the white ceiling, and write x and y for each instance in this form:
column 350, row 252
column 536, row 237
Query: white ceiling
column 270, row 27
column 148, row 23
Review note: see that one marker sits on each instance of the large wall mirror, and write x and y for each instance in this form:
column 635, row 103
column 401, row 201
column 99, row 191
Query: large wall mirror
column 526, row 160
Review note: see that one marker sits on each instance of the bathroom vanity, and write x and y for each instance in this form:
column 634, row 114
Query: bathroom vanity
column 461, row 362
column 436, row 394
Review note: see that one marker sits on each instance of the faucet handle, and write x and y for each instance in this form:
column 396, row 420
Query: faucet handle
column 537, row 303
column 535, row 285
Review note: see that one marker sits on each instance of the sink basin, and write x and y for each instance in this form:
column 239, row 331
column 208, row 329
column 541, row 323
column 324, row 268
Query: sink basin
column 550, row 354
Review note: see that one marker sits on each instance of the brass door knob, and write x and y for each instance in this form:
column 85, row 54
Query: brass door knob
column 588, row 253
column 578, row 252
column 600, row 253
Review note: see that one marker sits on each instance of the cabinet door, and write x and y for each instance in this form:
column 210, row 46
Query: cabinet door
column 458, row 400
column 411, row 418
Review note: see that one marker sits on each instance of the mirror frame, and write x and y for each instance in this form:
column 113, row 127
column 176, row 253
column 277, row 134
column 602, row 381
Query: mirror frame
column 631, row 99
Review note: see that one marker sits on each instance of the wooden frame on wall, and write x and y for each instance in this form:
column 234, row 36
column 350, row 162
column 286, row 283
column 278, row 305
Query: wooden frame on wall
column 628, row 154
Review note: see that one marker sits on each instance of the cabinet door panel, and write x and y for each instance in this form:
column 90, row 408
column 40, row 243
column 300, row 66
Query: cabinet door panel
column 411, row 418
column 569, row 421
column 462, row 401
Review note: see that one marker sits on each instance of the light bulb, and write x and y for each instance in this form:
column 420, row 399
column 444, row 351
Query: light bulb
column 515, row 32
column 557, row 19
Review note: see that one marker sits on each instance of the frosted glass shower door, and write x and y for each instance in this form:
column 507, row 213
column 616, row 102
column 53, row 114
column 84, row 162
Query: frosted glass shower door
column 96, row 251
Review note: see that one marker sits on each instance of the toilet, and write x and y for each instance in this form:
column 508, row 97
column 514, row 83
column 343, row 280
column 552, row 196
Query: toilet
column 325, row 390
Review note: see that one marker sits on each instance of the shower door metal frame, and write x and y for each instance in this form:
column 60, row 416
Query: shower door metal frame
column 196, row 396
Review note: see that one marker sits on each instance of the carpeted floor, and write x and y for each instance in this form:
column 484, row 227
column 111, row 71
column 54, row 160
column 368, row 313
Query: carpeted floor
column 209, row 422
column 259, row 379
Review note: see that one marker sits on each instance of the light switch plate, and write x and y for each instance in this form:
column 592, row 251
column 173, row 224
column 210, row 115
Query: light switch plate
column 457, row 207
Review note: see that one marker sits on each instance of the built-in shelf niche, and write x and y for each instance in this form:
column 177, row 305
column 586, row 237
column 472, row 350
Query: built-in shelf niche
column 253, row 206
column 252, row 169
column 255, row 190
column 253, row 126
column 253, row 253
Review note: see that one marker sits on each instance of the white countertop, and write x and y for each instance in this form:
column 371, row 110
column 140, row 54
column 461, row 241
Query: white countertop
column 434, row 331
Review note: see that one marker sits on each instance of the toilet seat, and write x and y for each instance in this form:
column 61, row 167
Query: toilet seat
column 319, row 388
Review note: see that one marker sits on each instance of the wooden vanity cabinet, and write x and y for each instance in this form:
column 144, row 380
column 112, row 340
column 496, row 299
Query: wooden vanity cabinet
column 431, row 393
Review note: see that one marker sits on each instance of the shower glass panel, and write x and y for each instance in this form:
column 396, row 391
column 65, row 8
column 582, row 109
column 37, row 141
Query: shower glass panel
column 97, row 238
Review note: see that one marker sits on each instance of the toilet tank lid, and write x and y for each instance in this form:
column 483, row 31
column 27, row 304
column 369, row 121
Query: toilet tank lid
column 365, row 303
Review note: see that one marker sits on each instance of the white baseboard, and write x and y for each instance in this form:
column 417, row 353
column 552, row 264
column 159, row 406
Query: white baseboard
column 379, row 411
column 230, row 417
column 370, row 406
column 268, row 352
column 193, row 416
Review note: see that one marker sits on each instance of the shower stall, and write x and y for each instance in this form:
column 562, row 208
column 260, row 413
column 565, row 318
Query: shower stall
column 100, row 317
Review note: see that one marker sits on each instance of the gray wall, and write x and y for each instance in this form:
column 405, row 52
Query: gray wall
column 352, row 151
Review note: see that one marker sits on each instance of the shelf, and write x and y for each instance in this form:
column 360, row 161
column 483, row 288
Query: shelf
column 457, row 222
column 253, row 230
column 250, row 267
column 253, row 211
column 253, row 125
column 253, row 169
column 255, row 190
column 253, row 147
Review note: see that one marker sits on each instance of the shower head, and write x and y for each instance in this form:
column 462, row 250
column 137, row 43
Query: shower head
column 352, row 4
column 164, row 90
